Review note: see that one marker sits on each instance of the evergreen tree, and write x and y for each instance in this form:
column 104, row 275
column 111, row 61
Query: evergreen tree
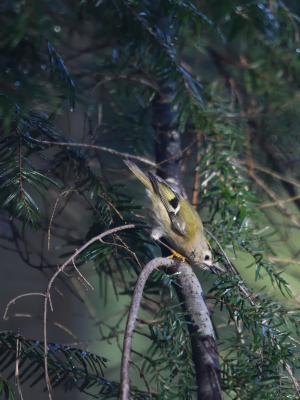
column 204, row 93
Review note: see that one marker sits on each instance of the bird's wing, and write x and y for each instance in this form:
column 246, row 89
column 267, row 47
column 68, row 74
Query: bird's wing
column 169, row 198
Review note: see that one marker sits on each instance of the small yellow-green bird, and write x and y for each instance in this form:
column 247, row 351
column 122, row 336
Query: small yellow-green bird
column 174, row 219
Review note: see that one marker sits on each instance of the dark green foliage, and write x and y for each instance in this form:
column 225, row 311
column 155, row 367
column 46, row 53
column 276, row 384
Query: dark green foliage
column 169, row 358
column 255, row 359
column 67, row 365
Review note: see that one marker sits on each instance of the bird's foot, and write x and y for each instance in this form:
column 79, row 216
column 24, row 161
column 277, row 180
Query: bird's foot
column 175, row 254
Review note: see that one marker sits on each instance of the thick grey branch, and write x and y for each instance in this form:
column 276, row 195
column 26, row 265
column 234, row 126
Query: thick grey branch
column 203, row 342
column 204, row 347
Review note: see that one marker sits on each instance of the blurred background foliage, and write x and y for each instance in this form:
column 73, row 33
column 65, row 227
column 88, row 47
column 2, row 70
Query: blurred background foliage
column 92, row 72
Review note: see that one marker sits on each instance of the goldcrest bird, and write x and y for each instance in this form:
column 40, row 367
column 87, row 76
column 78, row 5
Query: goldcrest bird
column 174, row 219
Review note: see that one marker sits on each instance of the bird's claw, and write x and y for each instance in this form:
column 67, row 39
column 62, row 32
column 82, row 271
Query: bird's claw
column 175, row 254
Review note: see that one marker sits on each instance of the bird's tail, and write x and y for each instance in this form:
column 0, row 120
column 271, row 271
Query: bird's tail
column 139, row 174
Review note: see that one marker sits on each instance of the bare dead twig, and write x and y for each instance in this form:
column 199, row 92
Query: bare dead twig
column 270, row 172
column 283, row 260
column 81, row 276
column 276, row 203
column 22, row 315
column 47, row 297
column 67, row 330
column 60, row 269
column 112, row 151
column 274, row 197
column 124, row 246
column 65, row 193
column 18, row 297
column 91, row 146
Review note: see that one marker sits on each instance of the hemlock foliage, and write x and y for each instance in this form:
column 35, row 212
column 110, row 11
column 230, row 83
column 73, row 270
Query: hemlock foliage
column 230, row 73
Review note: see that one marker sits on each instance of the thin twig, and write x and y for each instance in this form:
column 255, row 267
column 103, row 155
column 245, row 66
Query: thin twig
column 112, row 151
column 80, row 274
column 64, row 328
column 277, row 203
column 124, row 246
column 283, row 260
column 91, row 146
column 18, row 297
column 60, row 269
column 54, row 208
column 274, row 197
column 270, row 172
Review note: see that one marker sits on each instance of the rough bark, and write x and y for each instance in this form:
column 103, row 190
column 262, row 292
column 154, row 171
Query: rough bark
column 204, row 348
column 168, row 144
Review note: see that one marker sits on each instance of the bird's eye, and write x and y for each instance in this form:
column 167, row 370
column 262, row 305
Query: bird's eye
column 206, row 258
